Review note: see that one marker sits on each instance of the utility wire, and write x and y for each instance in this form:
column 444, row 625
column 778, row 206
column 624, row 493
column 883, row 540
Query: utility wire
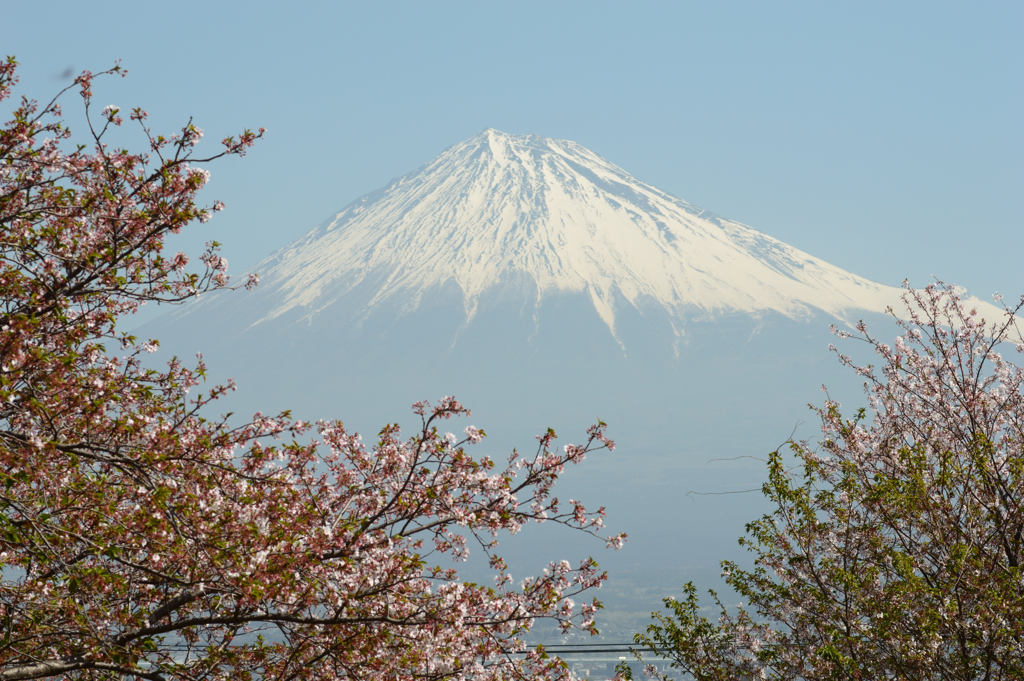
column 584, row 648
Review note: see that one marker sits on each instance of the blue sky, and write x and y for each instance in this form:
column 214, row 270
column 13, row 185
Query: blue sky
column 886, row 138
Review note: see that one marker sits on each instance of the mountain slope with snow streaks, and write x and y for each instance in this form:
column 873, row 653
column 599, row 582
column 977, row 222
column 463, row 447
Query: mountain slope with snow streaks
column 500, row 206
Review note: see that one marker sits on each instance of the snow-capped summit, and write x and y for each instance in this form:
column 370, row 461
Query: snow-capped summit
column 499, row 205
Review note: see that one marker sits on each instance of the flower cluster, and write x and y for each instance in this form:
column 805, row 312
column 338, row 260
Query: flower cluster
column 141, row 539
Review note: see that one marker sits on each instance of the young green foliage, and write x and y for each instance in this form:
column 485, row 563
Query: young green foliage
column 895, row 547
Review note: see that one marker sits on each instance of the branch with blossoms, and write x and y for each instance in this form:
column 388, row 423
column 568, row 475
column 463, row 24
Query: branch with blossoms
column 351, row 562
column 141, row 539
column 73, row 223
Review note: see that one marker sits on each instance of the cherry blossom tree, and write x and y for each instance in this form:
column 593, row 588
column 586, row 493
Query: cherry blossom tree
column 895, row 547
column 141, row 539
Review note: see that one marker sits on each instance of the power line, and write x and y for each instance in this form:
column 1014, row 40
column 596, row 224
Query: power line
column 584, row 648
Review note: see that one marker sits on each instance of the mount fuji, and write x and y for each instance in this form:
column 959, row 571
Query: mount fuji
column 545, row 286
column 554, row 215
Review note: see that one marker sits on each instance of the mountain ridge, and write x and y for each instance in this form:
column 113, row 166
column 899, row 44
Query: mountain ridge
column 559, row 214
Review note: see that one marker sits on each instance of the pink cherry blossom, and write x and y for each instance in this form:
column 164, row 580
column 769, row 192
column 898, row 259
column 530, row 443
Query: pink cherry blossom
column 142, row 538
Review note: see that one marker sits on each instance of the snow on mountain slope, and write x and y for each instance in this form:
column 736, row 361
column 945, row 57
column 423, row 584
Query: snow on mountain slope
column 498, row 205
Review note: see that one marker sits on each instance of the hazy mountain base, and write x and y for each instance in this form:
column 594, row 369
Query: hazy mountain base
column 681, row 408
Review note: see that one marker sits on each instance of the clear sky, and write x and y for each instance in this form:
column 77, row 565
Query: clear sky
column 886, row 138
